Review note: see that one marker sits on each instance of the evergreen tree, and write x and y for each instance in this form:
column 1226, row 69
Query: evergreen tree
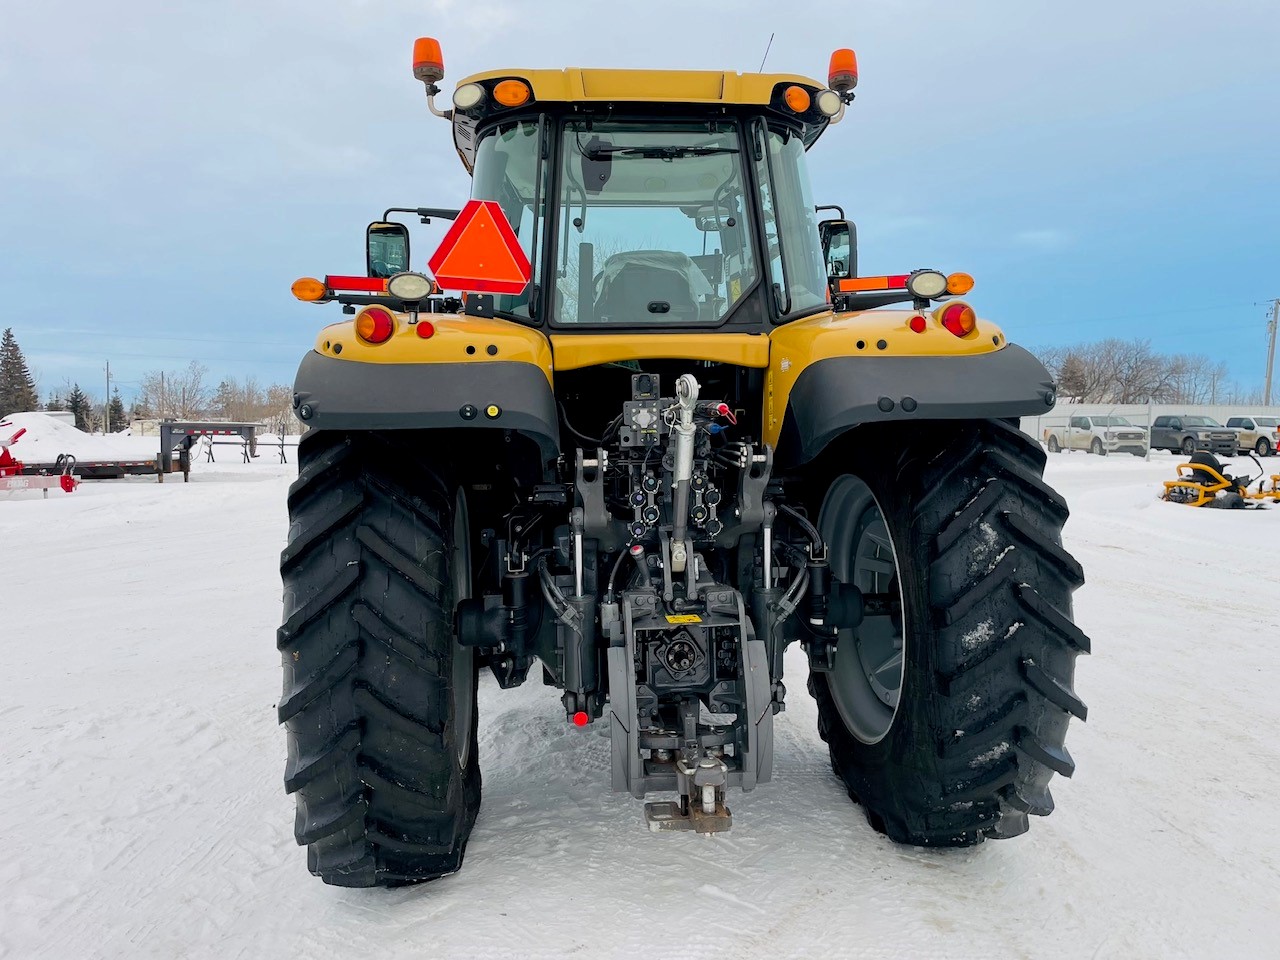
column 78, row 404
column 17, row 386
column 55, row 402
column 116, row 413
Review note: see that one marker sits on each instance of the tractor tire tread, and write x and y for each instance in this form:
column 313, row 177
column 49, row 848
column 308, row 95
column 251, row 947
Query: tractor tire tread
column 367, row 645
column 998, row 602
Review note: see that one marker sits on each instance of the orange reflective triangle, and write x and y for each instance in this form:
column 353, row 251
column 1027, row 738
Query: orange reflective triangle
column 481, row 253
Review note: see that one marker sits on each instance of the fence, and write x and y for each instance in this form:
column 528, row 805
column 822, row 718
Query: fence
column 1140, row 414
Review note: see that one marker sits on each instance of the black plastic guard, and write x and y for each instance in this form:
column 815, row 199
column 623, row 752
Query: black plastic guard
column 335, row 394
column 833, row 395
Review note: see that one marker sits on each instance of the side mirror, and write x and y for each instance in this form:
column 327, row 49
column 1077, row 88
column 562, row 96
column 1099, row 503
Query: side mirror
column 839, row 248
column 386, row 249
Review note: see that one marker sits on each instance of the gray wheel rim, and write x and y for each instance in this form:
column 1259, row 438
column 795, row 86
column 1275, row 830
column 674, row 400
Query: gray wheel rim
column 464, row 672
column 868, row 667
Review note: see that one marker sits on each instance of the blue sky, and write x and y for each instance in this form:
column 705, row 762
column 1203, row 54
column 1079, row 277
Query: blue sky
column 168, row 168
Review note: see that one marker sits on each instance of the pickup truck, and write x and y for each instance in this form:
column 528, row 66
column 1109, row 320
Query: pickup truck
column 1100, row 435
column 1259, row 434
column 1191, row 432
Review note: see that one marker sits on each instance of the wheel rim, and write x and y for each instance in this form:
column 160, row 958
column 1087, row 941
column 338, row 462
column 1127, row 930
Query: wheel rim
column 464, row 672
column 868, row 666
column 1264, row 448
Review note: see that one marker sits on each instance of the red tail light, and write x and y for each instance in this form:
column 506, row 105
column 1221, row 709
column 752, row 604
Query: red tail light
column 958, row 318
column 917, row 324
column 375, row 325
column 425, row 329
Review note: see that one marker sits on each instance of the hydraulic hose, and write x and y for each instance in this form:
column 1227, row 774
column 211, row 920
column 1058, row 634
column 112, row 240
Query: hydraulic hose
column 803, row 523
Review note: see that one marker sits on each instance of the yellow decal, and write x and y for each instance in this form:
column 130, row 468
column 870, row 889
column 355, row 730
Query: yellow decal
column 683, row 618
column 735, row 290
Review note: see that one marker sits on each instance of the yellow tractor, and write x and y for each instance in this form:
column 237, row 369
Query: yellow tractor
column 648, row 426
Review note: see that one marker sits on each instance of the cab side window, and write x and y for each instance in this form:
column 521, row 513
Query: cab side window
column 1161, row 422
column 1079, row 423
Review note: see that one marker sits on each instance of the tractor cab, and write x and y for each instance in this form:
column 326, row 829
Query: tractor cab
column 653, row 199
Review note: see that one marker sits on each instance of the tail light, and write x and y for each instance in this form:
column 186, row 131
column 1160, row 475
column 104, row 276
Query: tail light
column 958, row 318
column 375, row 325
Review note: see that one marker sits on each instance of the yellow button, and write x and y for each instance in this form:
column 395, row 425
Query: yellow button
column 492, row 411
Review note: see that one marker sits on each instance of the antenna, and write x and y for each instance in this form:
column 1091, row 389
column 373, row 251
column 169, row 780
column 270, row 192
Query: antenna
column 766, row 54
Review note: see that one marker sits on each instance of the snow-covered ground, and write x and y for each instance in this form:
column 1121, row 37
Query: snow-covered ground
column 142, row 812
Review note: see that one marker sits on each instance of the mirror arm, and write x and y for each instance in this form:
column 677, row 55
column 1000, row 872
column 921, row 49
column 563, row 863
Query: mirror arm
column 426, row 213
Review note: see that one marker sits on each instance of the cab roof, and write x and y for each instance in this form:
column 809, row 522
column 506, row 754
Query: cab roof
column 577, row 85
column 680, row 91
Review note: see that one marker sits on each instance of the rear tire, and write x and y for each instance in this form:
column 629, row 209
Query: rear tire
column 379, row 700
column 977, row 729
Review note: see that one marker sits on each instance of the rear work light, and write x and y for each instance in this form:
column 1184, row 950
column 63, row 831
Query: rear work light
column 375, row 325
column 958, row 318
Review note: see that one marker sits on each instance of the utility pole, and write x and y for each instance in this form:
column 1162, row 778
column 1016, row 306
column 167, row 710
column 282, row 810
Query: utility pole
column 1271, row 349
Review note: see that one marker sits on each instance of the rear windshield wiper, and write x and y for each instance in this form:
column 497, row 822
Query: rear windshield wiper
column 654, row 151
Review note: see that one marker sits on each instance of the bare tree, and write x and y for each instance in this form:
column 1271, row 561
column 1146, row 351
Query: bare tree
column 279, row 415
column 1131, row 371
column 234, row 400
column 181, row 395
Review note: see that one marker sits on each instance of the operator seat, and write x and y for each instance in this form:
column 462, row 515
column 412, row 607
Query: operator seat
column 634, row 280
column 1203, row 458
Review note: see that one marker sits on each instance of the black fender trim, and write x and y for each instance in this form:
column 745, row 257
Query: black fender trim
column 834, row 395
column 331, row 394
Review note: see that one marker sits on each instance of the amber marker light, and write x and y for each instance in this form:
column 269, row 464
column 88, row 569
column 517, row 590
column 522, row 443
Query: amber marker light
column 797, row 98
column 511, row 93
column 958, row 284
column 308, row 289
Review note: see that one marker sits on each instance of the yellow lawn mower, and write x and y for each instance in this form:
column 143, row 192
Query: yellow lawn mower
column 1202, row 483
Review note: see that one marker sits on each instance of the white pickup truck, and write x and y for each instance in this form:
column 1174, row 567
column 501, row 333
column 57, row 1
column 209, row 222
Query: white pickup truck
column 1100, row 435
column 1259, row 434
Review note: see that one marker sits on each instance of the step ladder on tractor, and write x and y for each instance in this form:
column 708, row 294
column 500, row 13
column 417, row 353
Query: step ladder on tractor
column 11, row 471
